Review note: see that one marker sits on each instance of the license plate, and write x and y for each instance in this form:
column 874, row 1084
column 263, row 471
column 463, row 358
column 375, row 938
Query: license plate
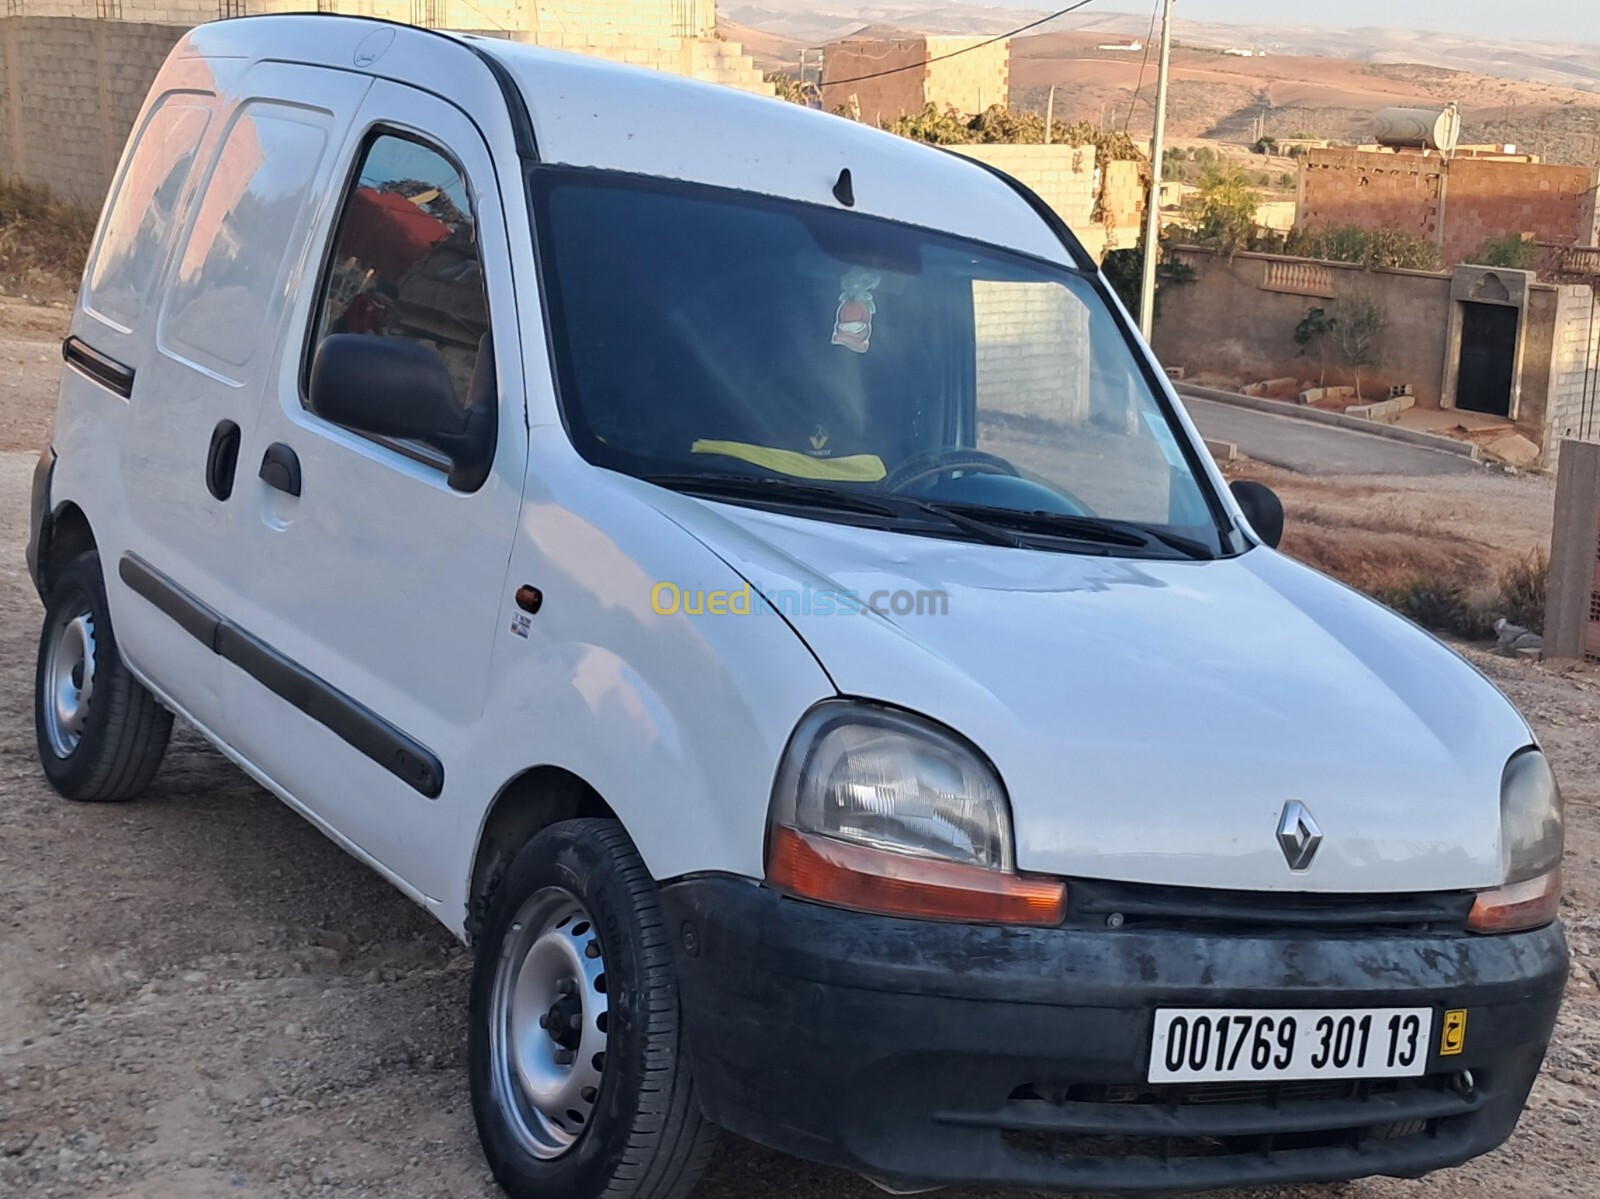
column 1207, row 1045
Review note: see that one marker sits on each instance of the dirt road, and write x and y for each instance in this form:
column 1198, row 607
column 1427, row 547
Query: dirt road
column 201, row 997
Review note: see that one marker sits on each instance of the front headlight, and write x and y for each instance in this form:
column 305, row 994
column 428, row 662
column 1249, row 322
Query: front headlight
column 1531, row 834
column 1531, row 844
column 879, row 810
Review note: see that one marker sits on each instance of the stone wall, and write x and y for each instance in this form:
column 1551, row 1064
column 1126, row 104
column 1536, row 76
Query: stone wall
column 70, row 90
column 967, row 76
column 1237, row 320
column 1481, row 198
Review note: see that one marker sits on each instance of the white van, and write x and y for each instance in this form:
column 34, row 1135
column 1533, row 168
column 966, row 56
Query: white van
column 740, row 571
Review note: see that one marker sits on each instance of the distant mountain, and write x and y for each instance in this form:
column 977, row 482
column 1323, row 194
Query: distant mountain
column 814, row 22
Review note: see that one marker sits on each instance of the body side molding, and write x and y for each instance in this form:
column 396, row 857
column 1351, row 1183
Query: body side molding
column 347, row 718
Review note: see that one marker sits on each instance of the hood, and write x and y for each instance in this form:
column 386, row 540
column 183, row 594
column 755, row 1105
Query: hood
column 1150, row 719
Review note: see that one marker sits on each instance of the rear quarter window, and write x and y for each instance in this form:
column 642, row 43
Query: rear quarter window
column 249, row 222
column 141, row 221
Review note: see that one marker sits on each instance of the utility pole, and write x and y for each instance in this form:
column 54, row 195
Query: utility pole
column 1158, row 146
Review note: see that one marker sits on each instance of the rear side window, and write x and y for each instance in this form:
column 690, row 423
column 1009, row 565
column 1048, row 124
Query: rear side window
column 405, row 259
column 247, row 224
column 139, row 224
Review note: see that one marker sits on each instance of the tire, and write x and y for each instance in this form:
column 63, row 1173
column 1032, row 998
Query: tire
column 100, row 733
column 577, row 923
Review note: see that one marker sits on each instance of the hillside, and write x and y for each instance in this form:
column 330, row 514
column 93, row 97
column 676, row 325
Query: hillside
column 1220, row 96
column 1312, row 82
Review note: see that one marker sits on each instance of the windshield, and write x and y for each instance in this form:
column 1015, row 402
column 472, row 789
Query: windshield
column 788, row 353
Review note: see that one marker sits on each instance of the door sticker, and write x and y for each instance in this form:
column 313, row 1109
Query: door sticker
column 1454, row 1037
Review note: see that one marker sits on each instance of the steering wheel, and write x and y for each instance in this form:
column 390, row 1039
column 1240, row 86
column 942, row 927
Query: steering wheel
column 944, row 462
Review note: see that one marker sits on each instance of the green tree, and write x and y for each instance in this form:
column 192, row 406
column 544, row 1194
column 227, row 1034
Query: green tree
column 1124, row 270
column 1222, row 214
column 1313, row 330
column 1358, row 329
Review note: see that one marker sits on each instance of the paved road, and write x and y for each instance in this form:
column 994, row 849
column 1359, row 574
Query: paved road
column 1315, row 449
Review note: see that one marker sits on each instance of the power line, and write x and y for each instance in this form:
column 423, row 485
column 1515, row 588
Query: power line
column 916, row 66
column 1155, row 14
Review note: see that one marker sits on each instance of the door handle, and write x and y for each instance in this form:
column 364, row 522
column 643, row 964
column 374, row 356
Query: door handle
column 222, row 459
column 280, row 468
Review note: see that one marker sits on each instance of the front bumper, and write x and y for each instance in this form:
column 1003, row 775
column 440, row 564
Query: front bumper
column 925, row 1053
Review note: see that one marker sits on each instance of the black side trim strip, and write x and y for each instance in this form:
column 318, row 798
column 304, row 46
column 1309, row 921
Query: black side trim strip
column 107, row 372
column 351, row 721
column 192, row 615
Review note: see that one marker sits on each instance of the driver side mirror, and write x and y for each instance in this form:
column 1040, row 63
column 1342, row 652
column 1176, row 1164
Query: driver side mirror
column 1262, row 508
column 394, row 387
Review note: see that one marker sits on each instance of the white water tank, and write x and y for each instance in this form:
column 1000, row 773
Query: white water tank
column 1420, row 128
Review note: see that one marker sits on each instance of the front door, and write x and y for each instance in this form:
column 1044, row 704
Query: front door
column 375, row 588
column 1488, row 358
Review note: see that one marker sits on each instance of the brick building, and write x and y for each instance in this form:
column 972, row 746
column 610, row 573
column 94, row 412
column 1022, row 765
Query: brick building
column 1458, row 203
column 960, row 72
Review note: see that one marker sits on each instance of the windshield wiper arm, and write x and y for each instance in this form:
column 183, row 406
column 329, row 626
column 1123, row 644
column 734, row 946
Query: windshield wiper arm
column 884, row 504
column 765, row 487
column 1086, row 528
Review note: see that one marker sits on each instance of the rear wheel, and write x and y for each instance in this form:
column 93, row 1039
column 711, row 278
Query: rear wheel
column 101, row 734
column 580, row 1085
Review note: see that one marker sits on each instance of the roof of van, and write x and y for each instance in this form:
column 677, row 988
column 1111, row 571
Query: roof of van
column 591, row 113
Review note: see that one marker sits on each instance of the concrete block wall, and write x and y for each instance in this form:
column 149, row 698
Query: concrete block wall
column 1475, row 198
column 1032, row 350
column 881, row 99
column 70, row 90
column 1064, row 176
column 1233, row 321
column 969, row 76
column 1575, row 357
column 965, row 73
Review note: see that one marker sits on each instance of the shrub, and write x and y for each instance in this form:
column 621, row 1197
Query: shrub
column 1375, row 249
column 1524, row 589
column 999, row 124
column 1511, row 252
column 40, row 238
column 1438, row 604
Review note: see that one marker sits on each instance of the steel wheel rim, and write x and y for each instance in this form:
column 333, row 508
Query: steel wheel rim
column 68, row 682
column 548, row 1018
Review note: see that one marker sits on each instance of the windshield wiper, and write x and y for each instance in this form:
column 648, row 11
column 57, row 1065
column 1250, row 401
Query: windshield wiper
column 1082, row 528
column 994, row 526
column 766, row 487
column 882, row 504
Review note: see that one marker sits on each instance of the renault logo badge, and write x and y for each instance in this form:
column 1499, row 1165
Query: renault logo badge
column 1298, row 835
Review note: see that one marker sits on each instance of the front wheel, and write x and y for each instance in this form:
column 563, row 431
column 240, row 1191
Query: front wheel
column 580, row 1084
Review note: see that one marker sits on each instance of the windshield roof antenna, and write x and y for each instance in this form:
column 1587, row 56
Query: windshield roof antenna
column 844, row 190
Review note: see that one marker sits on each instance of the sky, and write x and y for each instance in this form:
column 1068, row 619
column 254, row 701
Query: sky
column 1536, row 20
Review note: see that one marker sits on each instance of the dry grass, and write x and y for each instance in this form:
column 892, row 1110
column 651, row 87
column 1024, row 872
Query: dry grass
column 1524, row 589
column 1443, row 582
column 43, row 242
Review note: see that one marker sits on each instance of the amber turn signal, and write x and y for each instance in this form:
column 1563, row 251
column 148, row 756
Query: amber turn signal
column 892, row 884
column 1518, row 906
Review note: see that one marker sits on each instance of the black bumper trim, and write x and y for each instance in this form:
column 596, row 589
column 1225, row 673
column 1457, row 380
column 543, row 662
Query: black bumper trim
column 926, row 1053
column 1215, row 1120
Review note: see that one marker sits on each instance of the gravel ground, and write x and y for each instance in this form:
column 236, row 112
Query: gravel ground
column 200, row 996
